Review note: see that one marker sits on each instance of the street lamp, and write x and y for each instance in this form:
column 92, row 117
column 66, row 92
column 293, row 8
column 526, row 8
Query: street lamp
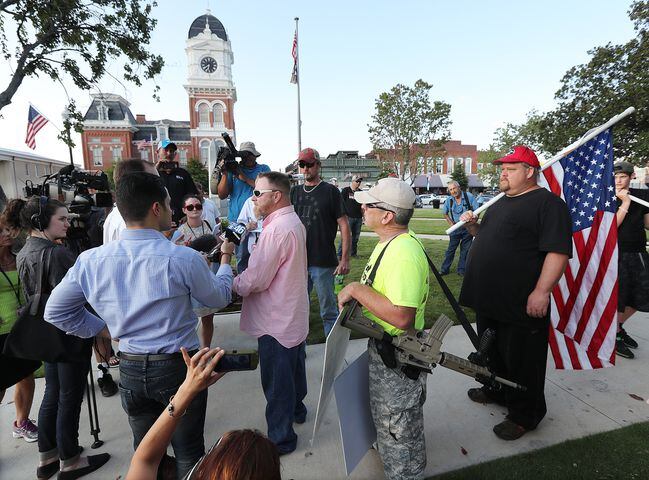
column 66, row 125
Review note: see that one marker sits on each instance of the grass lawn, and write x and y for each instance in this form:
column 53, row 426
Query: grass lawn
column 619, row 454
column 428, row 213
column 423, row 227
column 436, row 305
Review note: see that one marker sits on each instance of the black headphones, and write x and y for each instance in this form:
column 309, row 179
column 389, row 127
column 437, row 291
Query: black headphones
column 38, row 220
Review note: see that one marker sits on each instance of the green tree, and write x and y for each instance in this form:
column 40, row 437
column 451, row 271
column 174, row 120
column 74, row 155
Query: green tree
column 109, row 173
column 198, row 172
column 79, row 41
column 616, row 77
column 405, row 117
column 459, row 175
column 489, row 172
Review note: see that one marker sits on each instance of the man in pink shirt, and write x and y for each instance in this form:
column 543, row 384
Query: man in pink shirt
column 276, row 307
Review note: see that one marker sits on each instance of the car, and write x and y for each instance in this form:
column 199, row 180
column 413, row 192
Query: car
column 418, row 202
column 483, row 198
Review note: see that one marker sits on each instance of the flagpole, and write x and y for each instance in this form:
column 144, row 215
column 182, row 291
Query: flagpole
column 297, row 60
column 573, row 146
column 152, row 150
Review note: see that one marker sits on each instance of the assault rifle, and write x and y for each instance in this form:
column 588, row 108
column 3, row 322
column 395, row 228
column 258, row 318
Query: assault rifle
column 420, row 351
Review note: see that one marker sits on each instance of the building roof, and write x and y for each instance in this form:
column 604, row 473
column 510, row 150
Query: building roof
column 215, row 24
column 7, row 154
column 117, row 108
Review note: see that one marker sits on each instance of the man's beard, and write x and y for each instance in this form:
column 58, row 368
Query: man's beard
column 504, row 185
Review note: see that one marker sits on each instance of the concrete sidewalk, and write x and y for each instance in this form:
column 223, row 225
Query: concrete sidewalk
column 579, row 403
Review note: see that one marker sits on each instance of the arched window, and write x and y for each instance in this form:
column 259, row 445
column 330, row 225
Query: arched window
column 217, row 112
column 205, row 151
column 450, row 163
column 468, row 164
column 203, row 116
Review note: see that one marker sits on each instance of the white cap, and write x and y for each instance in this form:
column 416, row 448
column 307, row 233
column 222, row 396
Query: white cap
column 249, row 147
column 389, row 190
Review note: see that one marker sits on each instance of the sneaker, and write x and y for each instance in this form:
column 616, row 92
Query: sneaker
column 107, row 385
column 26, row 430
column 621, row 348
column 629, row 342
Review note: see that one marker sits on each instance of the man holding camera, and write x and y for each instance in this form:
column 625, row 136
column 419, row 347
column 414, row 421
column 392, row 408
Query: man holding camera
column 276, row 307
column 178, row 181
column 319, row 206
column 141, row 286
column 395, row 300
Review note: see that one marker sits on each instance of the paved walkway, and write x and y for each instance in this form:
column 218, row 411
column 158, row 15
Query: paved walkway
column 579, row 403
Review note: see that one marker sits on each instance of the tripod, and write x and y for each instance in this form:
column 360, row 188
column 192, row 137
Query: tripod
column 93, row 414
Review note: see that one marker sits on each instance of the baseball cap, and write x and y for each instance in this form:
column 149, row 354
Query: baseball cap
column 521, row 154
column 249, row 147
column 167, row 143
column 623, row 167
column 392, row 191
column 356, row 178
column 309, row 155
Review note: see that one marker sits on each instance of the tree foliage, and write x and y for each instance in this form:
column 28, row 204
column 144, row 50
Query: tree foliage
column 77, row 40
column 616, row 77
column 405, row 117
column 459, row 175
column 198, row 172
column 489, row 172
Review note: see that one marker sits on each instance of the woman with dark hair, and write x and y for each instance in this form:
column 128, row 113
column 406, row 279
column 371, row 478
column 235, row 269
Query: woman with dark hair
column 238, row 455
column 14, row 371
column 46, row 220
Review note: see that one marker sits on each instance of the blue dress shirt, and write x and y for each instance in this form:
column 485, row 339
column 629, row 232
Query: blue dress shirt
column 141, row 287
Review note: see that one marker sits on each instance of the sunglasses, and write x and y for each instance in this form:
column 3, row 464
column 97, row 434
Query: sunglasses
column 190, row 208
column 306, row 165
column 358, row 181
column 374, row 205
column 259, row 193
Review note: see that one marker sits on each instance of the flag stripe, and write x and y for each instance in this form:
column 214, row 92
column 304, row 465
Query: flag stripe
column 35, row 121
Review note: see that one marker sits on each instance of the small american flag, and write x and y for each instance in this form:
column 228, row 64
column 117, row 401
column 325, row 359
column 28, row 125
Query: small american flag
column 584, row 302
column 294, row 75
column 35, row 121
column 142, row 144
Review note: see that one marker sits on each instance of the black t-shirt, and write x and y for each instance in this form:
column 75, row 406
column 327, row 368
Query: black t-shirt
column 507, row 255
column 319, row 209
column 631, row 232
column 351, row 206
column 179, row 183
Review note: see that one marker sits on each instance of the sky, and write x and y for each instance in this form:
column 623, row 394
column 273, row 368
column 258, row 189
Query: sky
column 492, row 61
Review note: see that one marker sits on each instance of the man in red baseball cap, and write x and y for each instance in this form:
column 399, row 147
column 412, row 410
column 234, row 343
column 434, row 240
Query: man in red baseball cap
column 520, row 251
column 319, row 205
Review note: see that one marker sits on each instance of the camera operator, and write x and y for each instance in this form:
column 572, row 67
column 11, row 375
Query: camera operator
column 396, row 300
column 178, row 181
column 141, row 287
column 275, row 307
column 239, row 185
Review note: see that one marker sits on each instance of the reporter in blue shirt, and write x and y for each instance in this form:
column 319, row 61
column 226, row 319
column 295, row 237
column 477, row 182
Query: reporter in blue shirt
column 141, row 287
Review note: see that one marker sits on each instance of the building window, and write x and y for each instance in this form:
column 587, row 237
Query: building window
column 468, row 164
column 450, row 164
column 97, row 159
column 102, row 112
column 203, row 116
column 117, row 154
column 116, row 140
column 35, row 170
column 144, row 155
column 182, row 156
column 439, row 165
column 217, row 112
column 205, row 151
column 162, row 132
column 95, row 140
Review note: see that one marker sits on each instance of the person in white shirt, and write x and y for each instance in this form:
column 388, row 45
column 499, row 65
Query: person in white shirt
column 253, row 230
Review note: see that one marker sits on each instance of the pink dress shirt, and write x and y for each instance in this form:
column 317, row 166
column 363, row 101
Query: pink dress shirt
column 274, row 286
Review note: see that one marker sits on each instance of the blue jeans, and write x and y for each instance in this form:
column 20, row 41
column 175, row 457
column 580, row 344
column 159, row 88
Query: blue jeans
column 243, row 255
column 145, row 388
column 355, row 225
column 464, row 240
column 322, row 278
column 58, row 417
column 283, row 378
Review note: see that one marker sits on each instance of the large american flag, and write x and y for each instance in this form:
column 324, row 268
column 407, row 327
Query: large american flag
column 584, row 303
column 294, row 75
column 35, row 121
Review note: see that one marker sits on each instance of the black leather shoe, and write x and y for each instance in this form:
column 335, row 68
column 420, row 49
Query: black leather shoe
column 107, row 385
column 94, row 462
column 46, row 471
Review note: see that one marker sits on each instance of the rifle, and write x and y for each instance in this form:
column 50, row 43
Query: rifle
column 421, row 350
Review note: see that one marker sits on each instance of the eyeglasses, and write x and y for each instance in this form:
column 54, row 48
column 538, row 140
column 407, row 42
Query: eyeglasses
column 306, row 165
column 374, row 205
column 197, row 206
column 259, row 193
column 358, row 181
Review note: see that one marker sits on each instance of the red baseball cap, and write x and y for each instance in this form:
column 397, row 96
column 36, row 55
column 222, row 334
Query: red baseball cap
column 309, row 155
column 521, row 154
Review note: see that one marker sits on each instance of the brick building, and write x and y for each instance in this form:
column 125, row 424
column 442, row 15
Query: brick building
column 111, row 132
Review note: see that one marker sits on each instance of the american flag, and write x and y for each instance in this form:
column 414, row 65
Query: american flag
column 142, row 144
column 294, row 75
column 35, row 121
column 584, row 303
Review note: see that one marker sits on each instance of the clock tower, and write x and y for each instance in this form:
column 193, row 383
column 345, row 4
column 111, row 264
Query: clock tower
column 209, row 84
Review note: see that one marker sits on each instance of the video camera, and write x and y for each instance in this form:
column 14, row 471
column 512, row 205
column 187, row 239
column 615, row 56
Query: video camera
column 226, row 156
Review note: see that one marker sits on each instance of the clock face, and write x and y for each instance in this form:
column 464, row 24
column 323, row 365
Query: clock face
column 208, row 64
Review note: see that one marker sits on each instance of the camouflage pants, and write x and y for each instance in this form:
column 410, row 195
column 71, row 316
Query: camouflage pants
column 397, row 409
